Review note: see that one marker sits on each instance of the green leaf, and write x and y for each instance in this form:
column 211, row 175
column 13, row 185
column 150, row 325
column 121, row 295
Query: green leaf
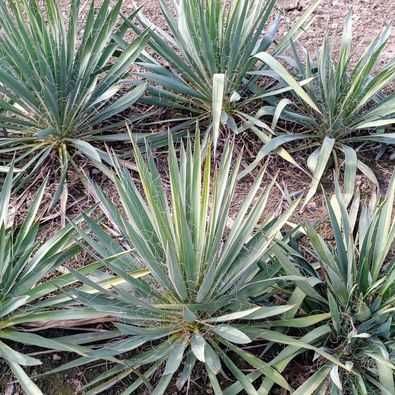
column 269, row 311
column 198, row 345
column 26, row 383
column 310, row 386
column 336, row 318
column 232, row 334
column 5, row 195
column 239, row 375
column 234, row 316
column 16, row 357
column 273, row 145
column 350, row 171
column 265, row 368
column 212, row 359
column 287, row 77
column 334, row 375
column 302, row 322
column 87, row 149
column 162, row 385
column 322, row 162
column 175, row 357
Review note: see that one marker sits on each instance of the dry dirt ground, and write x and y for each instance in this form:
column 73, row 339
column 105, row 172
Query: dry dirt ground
column 370, row 17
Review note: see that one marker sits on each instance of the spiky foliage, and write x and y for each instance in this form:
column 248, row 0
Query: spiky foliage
column 25, row 265
column 60, row 84
column 357, row 273
column 202, row 264
column 208, row 53
column 342, row 104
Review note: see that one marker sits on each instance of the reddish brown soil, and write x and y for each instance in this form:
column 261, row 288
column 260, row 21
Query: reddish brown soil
column 370, row 17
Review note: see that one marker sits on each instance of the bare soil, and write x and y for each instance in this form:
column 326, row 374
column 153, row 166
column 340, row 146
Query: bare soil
column 370, row 18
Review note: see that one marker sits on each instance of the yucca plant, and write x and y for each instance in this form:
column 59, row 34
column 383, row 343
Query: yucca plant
column 207, row 54
column 60, row 84
column 357, row 273
column 342, row 105
column 201, row 261
column 25, row 285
